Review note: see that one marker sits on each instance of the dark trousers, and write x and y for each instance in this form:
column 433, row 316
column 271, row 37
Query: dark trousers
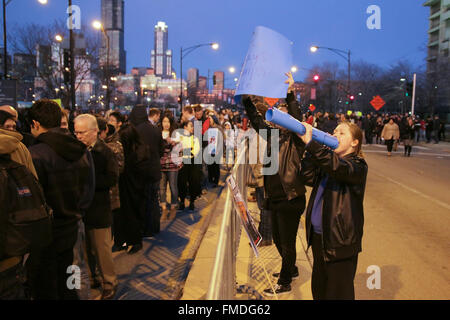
column 189, row 181
column 331, row 280
column 153, row 212
column 47, row 271
column 285, row 220
column 213, row 173
column 390, row 144
column 265, row 224
column 12, row 283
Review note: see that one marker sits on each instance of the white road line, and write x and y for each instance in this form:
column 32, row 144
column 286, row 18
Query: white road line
column 400, row 146
column 414, row 153
column 443, row 204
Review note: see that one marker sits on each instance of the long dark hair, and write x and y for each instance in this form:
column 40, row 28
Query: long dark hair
column 130, row 139
column 171, row 121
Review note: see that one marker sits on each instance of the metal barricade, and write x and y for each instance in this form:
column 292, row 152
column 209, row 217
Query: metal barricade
column 222, row 285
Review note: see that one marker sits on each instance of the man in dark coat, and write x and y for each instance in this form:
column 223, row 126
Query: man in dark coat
column 64, row 168
column 152, row 136
column 98, row 216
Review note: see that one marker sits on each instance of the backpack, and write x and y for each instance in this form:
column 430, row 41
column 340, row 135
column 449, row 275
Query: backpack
column 25, row 218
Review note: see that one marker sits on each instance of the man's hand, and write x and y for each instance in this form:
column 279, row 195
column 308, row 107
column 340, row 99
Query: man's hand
column 307, row 137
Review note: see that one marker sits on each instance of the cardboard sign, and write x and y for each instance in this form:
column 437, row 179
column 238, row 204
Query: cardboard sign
column 246, row 219
column 268, row 58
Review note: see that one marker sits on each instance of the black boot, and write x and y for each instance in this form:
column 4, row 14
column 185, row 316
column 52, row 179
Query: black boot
column 409, row 150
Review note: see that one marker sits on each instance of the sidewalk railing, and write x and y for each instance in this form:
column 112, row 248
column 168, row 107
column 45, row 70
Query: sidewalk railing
column 222, row 285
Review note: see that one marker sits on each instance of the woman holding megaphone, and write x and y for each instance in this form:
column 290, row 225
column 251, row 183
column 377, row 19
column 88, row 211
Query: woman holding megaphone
column 335, row 215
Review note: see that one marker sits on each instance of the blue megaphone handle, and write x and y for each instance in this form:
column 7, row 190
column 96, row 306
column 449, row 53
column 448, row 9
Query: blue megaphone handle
column 287, row 121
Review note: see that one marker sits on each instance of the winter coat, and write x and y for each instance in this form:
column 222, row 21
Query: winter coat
column 289, row 157
column 342, row 208
column 98, row 215
column 115, row 145
column 10, row 143
column 390, row 131
column 66, row 172
column 152, row 136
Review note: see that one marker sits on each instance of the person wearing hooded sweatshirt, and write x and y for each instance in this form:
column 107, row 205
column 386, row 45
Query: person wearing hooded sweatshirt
column 11, row 147
column 65, row 171
column 10, row 143
column 152, row 136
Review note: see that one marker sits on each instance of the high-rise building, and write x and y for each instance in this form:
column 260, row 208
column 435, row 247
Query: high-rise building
column 219, row 77
column 202, row 82
column 192, row 78
column 161, row 55
column 439, row 32
column 113, row 23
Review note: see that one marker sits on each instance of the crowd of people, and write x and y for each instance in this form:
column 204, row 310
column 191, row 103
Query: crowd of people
column 104, row 180
column 98, row 184
column 388, row 129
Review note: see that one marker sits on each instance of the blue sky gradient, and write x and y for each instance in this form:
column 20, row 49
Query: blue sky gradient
column 332, row 23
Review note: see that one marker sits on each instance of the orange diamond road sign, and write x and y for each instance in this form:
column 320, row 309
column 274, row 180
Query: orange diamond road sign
column 312, row 107
column 271, row 101
column 377, row 103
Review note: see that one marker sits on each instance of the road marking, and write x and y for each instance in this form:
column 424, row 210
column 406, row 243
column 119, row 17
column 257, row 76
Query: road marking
column 400, row 146
column 414, row 153
column 443, row 204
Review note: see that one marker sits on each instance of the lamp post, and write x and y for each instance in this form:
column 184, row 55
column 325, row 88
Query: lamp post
column 5, row 51
column 99, row 26
column 183, row 54
column 343, row 54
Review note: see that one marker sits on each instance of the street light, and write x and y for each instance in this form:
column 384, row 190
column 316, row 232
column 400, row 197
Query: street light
column 59, row 38
column 183, row 54
column 99, row 26
column 232, row 70
column 343, row 54
column 294, row 69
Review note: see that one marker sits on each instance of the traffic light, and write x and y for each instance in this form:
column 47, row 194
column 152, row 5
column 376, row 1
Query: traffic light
column 66, row 66
column 316, row 78
column 409, row 89
column 351, row 98
column 214, row 80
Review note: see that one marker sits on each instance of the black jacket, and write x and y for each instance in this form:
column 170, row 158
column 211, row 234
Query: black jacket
column 65, row 171
column 342, row 211
column 98, row 215
column 290, row 153
column 152, row 136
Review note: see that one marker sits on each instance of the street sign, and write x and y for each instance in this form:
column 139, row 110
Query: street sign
column 377, row 103
column 312, row 107
column 271, row 101
column 8, row 92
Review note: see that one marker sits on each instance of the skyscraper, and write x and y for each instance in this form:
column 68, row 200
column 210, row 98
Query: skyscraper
column 113, row 23
column 192, row 78
column 161, row 58
column 219, row 77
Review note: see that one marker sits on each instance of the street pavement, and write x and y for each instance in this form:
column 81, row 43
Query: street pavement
column 407, row 207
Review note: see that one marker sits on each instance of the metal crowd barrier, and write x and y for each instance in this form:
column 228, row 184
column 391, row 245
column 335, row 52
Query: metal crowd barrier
column 222, row 285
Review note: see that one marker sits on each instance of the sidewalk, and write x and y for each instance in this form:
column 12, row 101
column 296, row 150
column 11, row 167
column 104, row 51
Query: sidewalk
column 250, row 274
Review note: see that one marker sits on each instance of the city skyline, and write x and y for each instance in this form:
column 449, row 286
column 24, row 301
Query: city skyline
column 402, row 36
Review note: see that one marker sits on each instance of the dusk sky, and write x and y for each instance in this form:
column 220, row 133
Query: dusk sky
column 331, row 23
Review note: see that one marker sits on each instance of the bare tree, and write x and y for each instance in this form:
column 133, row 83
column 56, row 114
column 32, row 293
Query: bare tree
column 26, row 39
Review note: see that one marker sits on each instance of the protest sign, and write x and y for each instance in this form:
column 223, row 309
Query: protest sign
column 268, row 58
column 246, row 219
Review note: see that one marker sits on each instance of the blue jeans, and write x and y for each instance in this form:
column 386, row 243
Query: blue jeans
column 172, row 178
column 153, row 212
